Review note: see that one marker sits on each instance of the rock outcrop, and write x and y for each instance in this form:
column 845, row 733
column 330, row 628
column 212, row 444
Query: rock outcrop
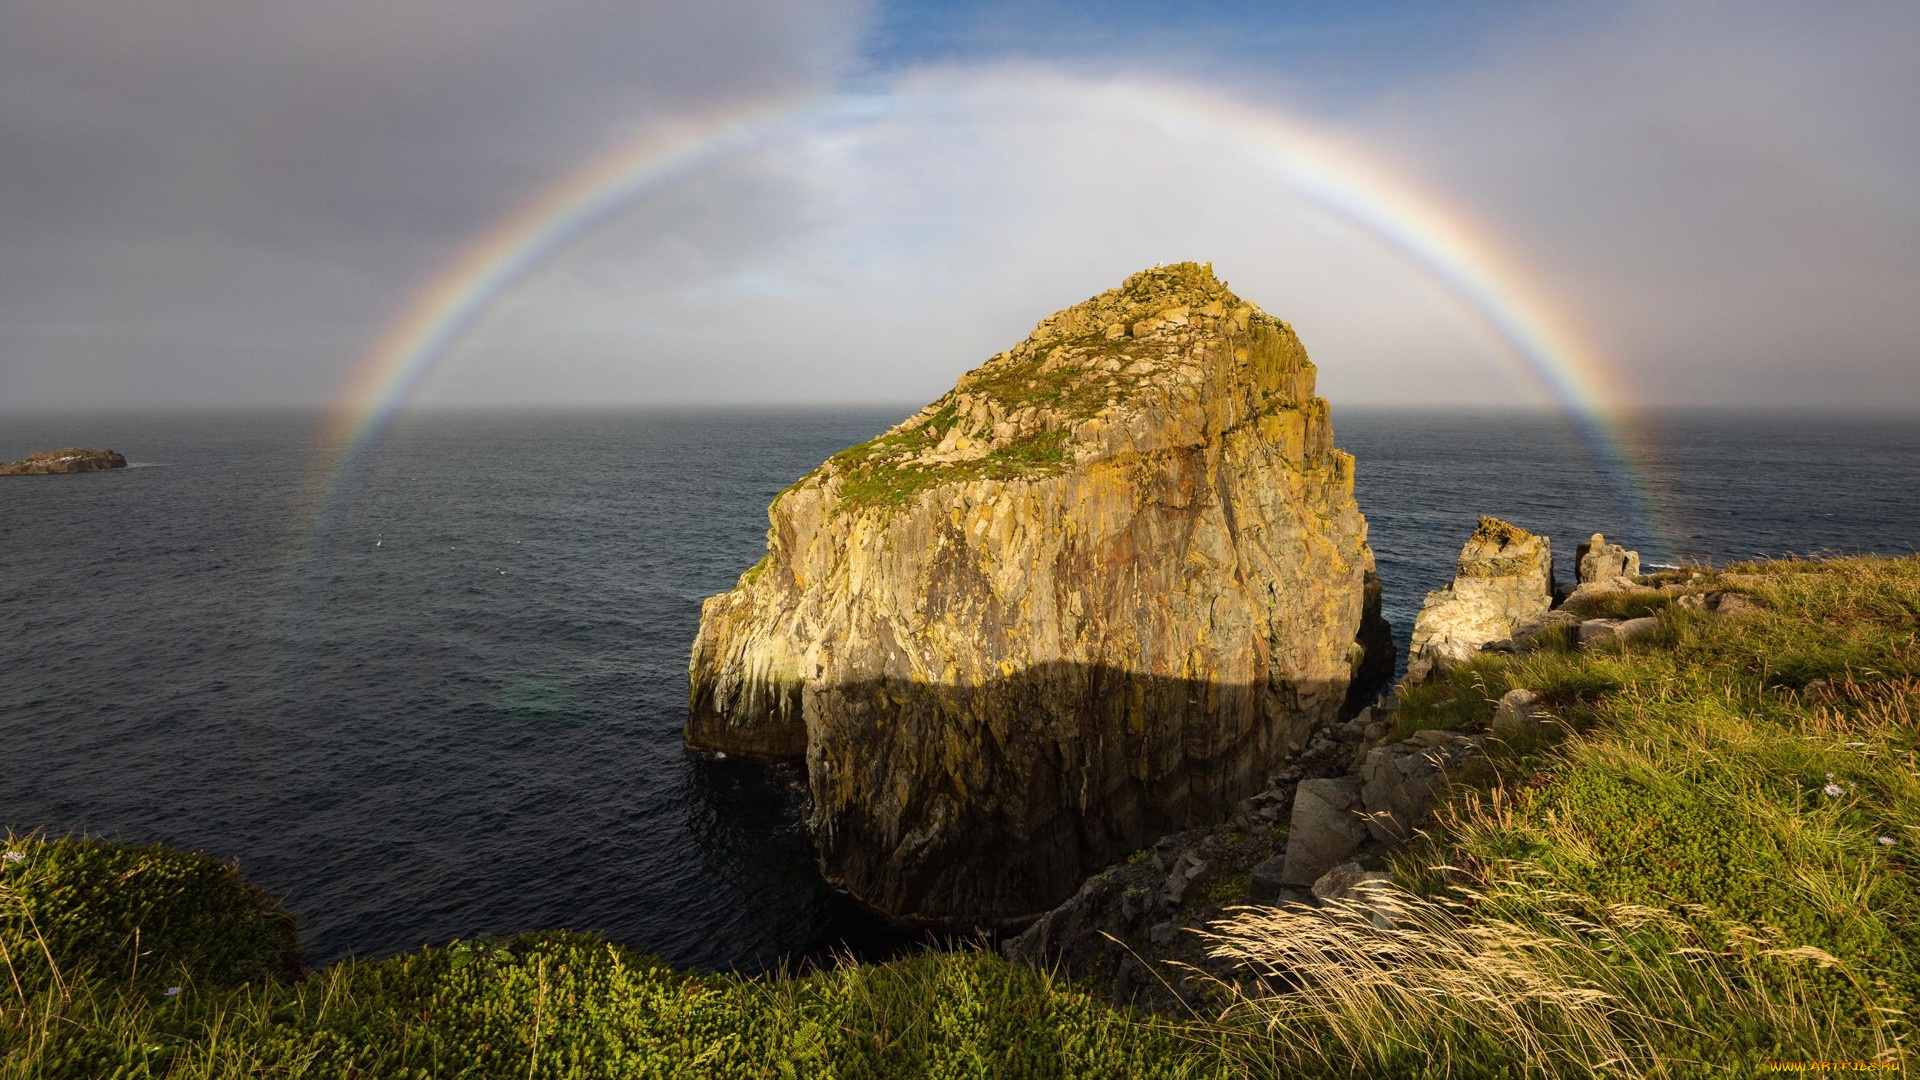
column 1098, row 592
column 1504, row 581
column 71, row 460
column 1600, row 563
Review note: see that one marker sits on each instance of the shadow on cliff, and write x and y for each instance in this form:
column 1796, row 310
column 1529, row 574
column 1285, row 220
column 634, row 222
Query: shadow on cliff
column 986, row 805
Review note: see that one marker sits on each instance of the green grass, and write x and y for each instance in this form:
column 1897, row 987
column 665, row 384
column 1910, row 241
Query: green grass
column 559, row 1004
column 1710, row 783
column 872, row 479
column 1621, row 605
column 1689, row 878
column 142, row 917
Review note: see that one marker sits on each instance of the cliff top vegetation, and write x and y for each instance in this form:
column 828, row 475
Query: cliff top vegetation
column 1021, row 414
column 1706, row 867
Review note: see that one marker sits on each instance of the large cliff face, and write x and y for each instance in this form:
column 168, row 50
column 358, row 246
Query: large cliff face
column 1097, row 592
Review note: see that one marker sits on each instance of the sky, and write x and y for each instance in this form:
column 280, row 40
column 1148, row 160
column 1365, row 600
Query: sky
column 626, row 202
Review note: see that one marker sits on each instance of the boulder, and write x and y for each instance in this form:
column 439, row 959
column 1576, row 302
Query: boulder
column 1351, row 886
column 1600, row 563
column 1733, row 603
column 1596, row 632
column 1326, row 828
column 1504, row 580
column 1637, row 629
column 73, row 459
column 1519, row 712
column 1399, row 780
column 1529, row 632
column 1127, row 599
column 1341, row 882
column 1600, row 592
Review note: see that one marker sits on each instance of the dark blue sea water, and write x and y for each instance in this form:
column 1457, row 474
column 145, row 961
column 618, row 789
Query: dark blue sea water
column 453, row 705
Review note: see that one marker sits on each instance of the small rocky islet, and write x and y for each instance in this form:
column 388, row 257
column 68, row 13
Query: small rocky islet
column 73, row 459
column 1100, row 591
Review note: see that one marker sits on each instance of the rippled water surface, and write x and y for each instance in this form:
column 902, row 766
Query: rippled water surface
column 447, row 700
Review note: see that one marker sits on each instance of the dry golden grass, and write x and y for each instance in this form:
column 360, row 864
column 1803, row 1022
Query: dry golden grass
column 1395, row 983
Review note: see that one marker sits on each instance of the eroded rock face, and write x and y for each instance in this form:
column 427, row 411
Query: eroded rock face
column 71, row 460
column 1096, row 593
column 1504, row 580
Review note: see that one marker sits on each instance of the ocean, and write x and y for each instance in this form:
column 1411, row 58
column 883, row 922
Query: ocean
column 440, row 694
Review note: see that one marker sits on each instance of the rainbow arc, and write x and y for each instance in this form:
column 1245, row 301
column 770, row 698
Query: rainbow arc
column 1435, row 238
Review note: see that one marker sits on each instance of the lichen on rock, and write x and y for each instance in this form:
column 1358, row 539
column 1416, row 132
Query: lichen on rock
column 1096, row 593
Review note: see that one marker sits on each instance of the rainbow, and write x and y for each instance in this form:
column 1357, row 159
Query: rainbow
column 411, row 347
column 1466, row 260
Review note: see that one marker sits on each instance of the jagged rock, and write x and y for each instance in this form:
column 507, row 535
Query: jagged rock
column 1519, row 712
column 1325, row 828
column 1504, row 579
column 1600, row 563
column 1098, row 592
column 1104, row 932
column 73, row 459
column 1190, row 866
column 1399, row 780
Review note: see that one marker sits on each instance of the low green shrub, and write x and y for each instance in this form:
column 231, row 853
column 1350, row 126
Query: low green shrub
column 148, row 918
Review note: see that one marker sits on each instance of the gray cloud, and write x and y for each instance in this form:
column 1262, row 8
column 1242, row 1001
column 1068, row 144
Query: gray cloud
column 208, row 204
column 202, row 201
column 1727, row 195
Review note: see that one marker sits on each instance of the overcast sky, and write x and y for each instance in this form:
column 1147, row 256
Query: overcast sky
column 205, row 203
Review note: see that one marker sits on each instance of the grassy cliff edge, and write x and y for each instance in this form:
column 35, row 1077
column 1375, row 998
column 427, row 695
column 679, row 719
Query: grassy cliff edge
column 1704, row 868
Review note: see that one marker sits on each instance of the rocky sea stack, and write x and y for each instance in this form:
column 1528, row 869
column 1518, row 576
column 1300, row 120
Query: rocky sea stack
column 71, row 460
column 1098, row 592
